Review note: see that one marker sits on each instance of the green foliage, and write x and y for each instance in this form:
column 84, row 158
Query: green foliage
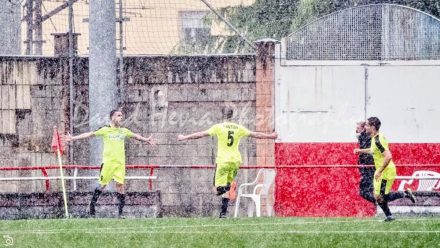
column 278, row 18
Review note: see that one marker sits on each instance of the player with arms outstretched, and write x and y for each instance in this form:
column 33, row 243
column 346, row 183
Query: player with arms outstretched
column 228, row 158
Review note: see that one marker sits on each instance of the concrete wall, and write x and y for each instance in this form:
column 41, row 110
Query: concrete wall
column 165, row 96
column 33, row 100
column 194, row 89
column 50, row 205
column 318, row 105
column 320, row 102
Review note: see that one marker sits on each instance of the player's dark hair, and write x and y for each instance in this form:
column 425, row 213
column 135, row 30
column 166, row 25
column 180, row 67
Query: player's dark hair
column 374, row 121
column 113, row 112
column 228, row 113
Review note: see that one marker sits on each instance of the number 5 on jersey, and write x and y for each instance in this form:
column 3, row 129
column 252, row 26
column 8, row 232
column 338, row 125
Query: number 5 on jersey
column 230, row 138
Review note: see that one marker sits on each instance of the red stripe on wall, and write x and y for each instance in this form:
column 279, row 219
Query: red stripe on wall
column 415, row 153
column 334, row 191
column 314, row 153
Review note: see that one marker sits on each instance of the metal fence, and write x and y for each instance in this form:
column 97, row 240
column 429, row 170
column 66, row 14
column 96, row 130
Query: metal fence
column 153, row 27
column 369, row 32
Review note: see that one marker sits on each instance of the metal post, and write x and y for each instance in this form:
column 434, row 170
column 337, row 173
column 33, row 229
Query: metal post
column 102, row 69
column 38, row 27
column 71, row 91
column 10, row 28
column 365, row 91
column 29, row 26
column 121, row 53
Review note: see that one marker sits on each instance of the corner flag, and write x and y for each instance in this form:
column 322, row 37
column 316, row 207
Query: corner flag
column 58, row 148
column 57, row 145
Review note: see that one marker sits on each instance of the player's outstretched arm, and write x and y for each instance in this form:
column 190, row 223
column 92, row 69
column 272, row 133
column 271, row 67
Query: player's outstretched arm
column 260, row 135
column 197, row 135
column 150, row 140
column 362, row 151
column 69, row 137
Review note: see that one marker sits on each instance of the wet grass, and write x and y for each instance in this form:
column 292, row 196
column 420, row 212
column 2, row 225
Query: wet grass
column 210, row 232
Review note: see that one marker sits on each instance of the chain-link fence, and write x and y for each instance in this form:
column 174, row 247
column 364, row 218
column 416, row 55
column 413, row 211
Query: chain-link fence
column 162, row 27
column 370, row 32
column 40, row 27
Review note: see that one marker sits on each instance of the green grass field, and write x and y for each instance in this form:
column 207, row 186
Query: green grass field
column 210, row 232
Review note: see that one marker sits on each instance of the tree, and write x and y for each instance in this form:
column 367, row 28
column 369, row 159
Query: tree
column 263, row 19
column 278, row 18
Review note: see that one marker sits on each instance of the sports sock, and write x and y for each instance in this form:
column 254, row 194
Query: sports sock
column 121, row 198
column 394, row 196
column 95, row 197
column 385, row 208
column 224, row 207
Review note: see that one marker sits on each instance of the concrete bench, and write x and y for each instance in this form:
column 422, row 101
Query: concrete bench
column 50, row 205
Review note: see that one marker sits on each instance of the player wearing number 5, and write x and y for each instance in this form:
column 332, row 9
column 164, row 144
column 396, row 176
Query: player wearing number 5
column 228, row 158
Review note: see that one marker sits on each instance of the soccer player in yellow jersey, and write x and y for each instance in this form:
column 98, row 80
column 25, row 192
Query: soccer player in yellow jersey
column 228, row 158
column 385, row 172
column 113, row 166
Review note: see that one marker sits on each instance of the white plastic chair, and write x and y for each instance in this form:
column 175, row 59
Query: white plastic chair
column 424, row 184
column 260, row 190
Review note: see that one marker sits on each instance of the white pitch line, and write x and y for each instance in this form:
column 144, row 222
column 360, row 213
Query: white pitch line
column 152, row 228
column 209, row 225
column 43, row 232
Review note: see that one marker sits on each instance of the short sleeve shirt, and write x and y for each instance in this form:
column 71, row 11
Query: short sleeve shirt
column 379, row 145
column 114, row 144
column 228, row 140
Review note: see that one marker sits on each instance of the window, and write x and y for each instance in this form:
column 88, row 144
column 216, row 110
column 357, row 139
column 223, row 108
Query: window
column 193, row 28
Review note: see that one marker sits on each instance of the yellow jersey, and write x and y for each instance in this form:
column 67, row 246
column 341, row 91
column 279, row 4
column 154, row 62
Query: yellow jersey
column 114, row 144
column 228, row 139
column 379, row 145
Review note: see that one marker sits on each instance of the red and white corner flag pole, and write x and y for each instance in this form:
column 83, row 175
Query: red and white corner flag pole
column 57, row 146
